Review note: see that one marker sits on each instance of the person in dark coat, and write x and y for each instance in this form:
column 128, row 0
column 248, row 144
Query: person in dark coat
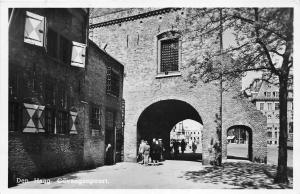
column 176, row 149
column 156, row 152
column 152, row 145
column 182, row 145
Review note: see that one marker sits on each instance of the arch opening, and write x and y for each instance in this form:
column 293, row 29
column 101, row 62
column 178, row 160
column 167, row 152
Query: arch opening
column 239, row 142
column 158, row 120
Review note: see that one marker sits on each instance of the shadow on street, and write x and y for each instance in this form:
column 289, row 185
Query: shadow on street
column 240, row 174
column 186, row 156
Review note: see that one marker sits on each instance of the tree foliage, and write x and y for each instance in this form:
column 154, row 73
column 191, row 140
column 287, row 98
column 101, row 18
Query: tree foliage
column 263, row 42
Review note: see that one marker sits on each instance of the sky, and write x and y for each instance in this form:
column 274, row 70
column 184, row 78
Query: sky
column 228, row 40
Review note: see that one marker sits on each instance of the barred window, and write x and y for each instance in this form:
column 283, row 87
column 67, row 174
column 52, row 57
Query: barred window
column 49, row 115
column 62, row 122
column 95, row 117
column 112, row 82
column 169, row 55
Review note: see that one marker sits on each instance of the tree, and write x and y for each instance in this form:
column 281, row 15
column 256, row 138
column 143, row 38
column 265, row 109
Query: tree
column 263, row 42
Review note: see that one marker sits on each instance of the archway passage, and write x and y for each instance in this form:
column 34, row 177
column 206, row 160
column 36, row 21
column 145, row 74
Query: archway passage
column 239, row 143
column 158, row 119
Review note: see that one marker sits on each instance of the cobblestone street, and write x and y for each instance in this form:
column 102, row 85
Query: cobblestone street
column 170, row 174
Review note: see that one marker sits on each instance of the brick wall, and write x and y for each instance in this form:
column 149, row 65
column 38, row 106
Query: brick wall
column 33, row 155
column 134, row 44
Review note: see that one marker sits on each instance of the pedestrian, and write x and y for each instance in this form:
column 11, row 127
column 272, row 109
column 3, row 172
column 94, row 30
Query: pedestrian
column 182, row 145
column 161, row 149
column 218, row 153
column 194, row 147
column 146, row 152
column 151, row 149
column 156, row 153
column 109, row 154
column 141, row 151
column 176, row 149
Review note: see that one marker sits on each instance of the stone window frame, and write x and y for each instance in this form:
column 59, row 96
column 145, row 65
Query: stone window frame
column 169, row 34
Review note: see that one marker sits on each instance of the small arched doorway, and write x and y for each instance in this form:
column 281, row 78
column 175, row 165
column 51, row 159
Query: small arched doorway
column 158, row 119
column 239, row 142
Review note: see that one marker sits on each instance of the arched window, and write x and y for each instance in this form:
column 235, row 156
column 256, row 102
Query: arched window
column 169, row 47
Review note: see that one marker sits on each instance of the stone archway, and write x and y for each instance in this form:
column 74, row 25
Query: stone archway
column 157, row 120
column 249, row 142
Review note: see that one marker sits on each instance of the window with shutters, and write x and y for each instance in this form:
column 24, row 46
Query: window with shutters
column 49, row 115
column 35, row 28
column 62, row 122
column 58, row 46
column 95, row 117
column 112, row 82
column 169, row 44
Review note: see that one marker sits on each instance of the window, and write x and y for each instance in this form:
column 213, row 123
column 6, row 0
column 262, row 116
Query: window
column 277, row 116
column 169, row 55
column 291, row 127
column 269, row 128
column 269, row 116
column 58, row 46
column 168, row 52
column 49, row 120
column 62, row 122
column 95, row 117
column 14, row 116
column 34, row 32
column 268, row 94
column 275, row 134
column 261, row 106
column 276, row 94
column 269, row 134
column 269, row 106
column 276, row 106
column 112, row 82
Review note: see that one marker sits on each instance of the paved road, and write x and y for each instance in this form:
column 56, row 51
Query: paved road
column 241, row 150
column 172, row 174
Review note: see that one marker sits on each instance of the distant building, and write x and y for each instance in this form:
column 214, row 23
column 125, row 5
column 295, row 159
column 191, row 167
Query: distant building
column 188, row 133
column 265, row 96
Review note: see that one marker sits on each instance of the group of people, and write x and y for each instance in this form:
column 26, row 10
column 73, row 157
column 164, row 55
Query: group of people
column 175, row 147
column 153, row 152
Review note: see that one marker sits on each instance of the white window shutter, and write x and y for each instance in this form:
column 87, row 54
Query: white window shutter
column 78, row 54
column 35, row 29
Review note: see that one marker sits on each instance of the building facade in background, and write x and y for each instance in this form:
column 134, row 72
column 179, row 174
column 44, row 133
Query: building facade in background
column 189, row 133
column 65, row 95
column 265, row 96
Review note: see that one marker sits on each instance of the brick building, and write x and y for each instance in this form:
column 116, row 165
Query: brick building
column 65, row 95
column 155, row 50
column 265, row 96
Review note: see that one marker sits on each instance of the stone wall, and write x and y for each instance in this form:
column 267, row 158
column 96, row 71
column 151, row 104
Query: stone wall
column 134, row 43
